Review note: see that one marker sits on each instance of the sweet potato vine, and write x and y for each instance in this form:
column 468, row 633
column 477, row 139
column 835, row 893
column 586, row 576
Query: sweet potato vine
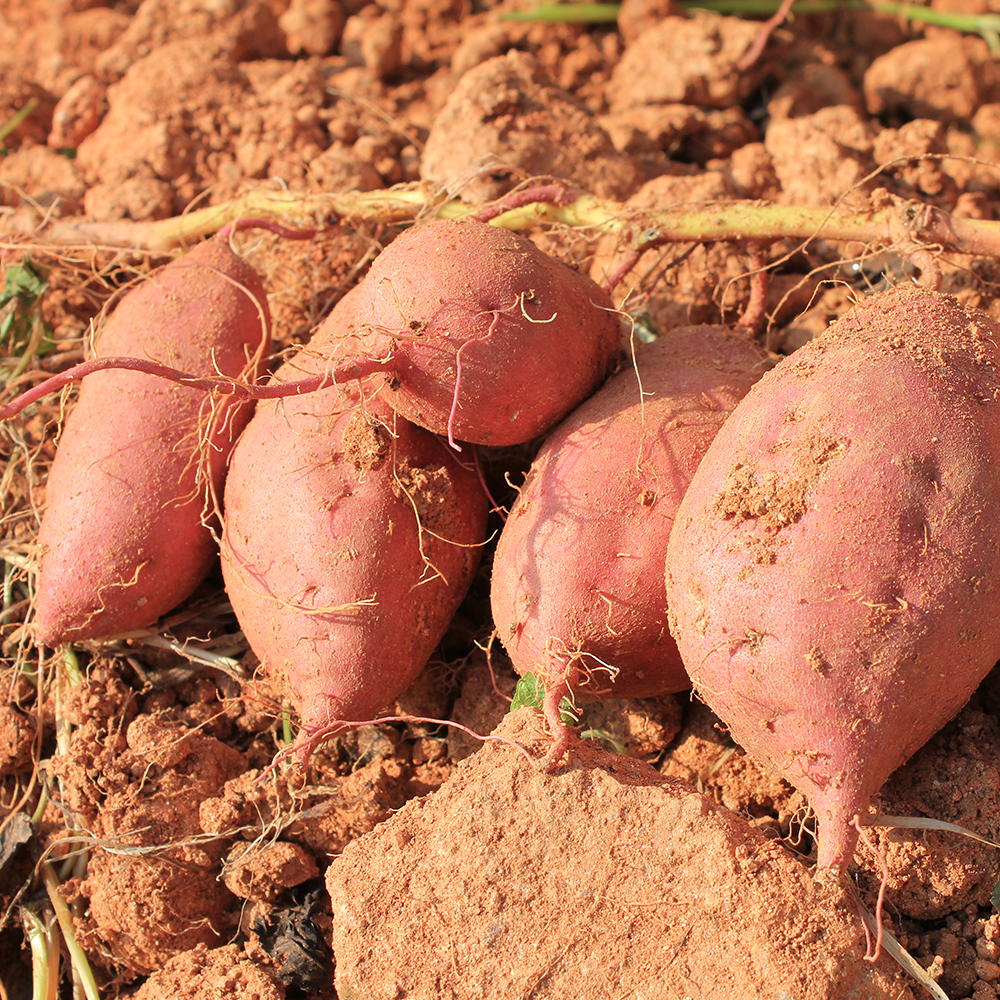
column 908, row 226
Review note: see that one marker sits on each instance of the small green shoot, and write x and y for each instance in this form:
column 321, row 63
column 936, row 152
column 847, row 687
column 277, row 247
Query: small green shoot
column 71, row 664
column 9, row 600
column 43, row 801
column 16, row 119
column 530, row 693
column 23, row 332
column 986, row 25
column 82, row 972
column 287, row 736
column 42, row 933
column 603, row 734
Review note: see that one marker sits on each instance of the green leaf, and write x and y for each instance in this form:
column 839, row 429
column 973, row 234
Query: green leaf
column 645, row 328
column 528, row 693
column 25, row 280
column 603, row 734
column 25, row 285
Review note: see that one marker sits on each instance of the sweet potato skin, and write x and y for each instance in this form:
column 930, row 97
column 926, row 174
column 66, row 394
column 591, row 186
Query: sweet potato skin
column 532, row 337
column 577, row 575
column 338, row 593
column 125, row 536
column 834, row 571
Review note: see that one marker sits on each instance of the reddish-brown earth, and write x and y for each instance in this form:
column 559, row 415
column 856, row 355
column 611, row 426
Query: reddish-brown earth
column 452, row 871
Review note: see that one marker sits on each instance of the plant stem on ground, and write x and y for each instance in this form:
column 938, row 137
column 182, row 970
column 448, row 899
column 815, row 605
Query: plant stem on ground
column 987, row 25
column 19, row 116
column 43, row 936
column 78, row 958
column 907, row 224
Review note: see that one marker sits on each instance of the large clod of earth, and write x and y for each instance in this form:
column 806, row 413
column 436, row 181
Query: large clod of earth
column 602, row 881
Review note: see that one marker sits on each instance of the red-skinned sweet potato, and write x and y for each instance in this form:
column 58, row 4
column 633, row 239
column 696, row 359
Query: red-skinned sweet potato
column 577, row 582
column 479, row 334
column 350, row 538
column 482, row 336
column 834, row 572
column 131, row 494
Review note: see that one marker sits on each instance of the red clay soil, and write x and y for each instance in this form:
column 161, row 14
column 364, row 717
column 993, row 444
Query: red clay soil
column 605, row 879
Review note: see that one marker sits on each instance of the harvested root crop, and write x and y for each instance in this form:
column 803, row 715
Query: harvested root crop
column 351, row 536
column 834, row 572
column 127, row 532
column 577, row 592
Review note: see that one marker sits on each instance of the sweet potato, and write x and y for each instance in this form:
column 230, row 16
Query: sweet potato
column 479, row 335
column 577, row 590
column 482, row 336
column 350, row 538
column 126, row 531
column 833, row 573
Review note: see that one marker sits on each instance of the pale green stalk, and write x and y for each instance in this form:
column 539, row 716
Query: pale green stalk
column 911, row 226
column 71, row 663
column 603, row 734
column 81, row 967
column 568, row 13
column 43, row 938
column 36, row 341
column 987, row 25
column 401, row 204
column 17, row 118
column 43, row 801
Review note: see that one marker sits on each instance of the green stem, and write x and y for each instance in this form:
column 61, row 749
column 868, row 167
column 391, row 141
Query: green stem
column 9, row 572
column 603, row 734
column 17, row 118
column 908, row 11
column 395, row 205
column 567, row 13
column 71, row 664
column 43, row 801
column 905, row 226
column 78, row 958
column 36, row 341
column 43, row 938
column 987, row 25
column 982, row 23
column 66, row 869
